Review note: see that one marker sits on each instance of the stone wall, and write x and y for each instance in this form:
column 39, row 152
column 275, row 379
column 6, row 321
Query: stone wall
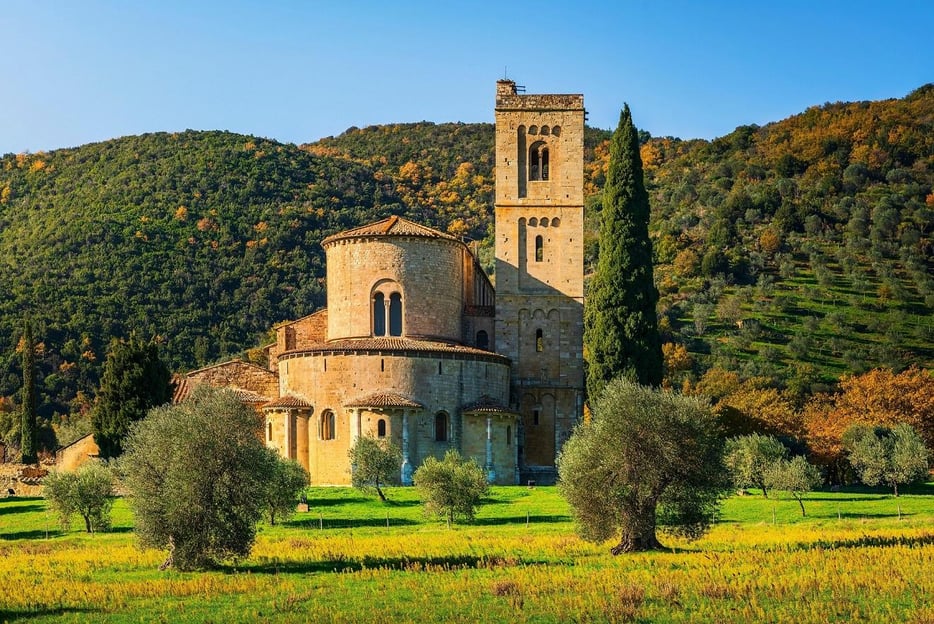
column 238, row 374
column 76, row 454
column 428, row 273
column 439, row 382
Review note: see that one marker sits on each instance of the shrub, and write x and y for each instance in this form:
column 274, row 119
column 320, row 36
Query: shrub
column 451, row 487
column 87, row 492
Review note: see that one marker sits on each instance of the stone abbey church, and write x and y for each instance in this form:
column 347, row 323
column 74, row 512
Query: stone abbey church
column 415, row 346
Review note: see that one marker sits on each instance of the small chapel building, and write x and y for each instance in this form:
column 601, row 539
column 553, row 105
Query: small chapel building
column 416, row 347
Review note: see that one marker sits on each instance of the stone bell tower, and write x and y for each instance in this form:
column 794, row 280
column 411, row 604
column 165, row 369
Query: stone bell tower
column 540, row 266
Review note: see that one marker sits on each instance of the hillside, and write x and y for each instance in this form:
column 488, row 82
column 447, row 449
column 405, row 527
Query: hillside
column 796, row 251
column 202, row 238
column 802, row 248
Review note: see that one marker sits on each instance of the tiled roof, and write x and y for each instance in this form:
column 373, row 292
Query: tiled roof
column 181, row 388
column 383, row 399
column 487, row 405
column 396, row 344
column 393, row 226
column 184, row 388
column 288, row 401
column 248, row 396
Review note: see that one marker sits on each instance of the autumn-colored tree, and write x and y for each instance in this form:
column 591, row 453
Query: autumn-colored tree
column 881, row 397
column 677, row 362
column 758, row 408
column 716, row 383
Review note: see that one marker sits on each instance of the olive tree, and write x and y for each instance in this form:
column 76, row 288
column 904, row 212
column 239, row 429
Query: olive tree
column 795, row 476
column 451, row 487
column 87, row 492
column 648, row 458
column 197, row 474
column 881, row 455
column 374, row 463
column 286, row 480
column 749, row 457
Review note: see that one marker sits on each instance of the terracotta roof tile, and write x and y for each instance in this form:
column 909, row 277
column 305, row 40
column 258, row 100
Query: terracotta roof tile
column 288, row 401
column 248, row 396
column 383, row 399
column 395, row 344
column 487, row 405
column 393, row 226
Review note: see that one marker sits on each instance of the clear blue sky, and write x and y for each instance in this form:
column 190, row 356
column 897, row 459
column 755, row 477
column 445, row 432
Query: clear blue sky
column 73, row 72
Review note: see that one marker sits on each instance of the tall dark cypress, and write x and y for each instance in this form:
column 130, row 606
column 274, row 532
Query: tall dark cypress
column 620, row 324
column 28, row 427
column 135, row 379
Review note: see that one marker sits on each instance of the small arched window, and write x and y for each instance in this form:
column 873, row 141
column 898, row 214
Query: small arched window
column 483, row 340
column 379, row 314
column 269, row 431
column 536, row 416
column 328, row 428
column 539, row 340
column 441, row 427
column 539, row 248
column 538, row 161
column 395, row 314
column 381, row 428
column 508, row 436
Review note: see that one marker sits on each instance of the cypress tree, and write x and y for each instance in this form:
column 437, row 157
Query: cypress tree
column 620, row 324
column 135, row 379
column 28, row 428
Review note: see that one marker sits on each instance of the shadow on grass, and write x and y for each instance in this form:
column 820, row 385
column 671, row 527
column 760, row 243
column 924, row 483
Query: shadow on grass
column 867, row 541
column 855, row 515
column 346, row 523
column 836, row 498
column 14, row 616
column 520, row 520
column 9, row 509
column 56, row 532
column 314, row 502
column 30, row 535
column 407, row 564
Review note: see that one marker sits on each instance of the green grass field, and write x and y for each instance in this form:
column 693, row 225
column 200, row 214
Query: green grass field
column 858, row 556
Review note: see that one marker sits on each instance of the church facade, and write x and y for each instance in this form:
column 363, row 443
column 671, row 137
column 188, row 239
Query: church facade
column 415, row 345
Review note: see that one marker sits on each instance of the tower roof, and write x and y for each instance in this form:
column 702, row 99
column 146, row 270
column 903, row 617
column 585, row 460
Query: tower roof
column 392, row 226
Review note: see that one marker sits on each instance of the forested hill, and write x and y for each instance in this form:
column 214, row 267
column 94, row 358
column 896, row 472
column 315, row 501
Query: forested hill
column 202, row 238
column 800, row 249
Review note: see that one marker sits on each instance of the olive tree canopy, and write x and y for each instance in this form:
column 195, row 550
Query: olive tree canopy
column 648, row 458
column 197, row 474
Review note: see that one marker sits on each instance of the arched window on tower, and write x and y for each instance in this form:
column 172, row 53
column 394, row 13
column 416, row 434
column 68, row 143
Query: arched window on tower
column 379, row 314
column 441, row 427
column 539, row 248
column 539, row 340
column 381, row 428
column 395, row 314
column 538, row 161
column 483, row 340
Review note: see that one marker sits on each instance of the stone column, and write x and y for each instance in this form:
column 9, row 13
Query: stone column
column 515, row 446
column 288, row 435
column 406, row 464
column 355, row 424
column 302, row 418
column 490, row 472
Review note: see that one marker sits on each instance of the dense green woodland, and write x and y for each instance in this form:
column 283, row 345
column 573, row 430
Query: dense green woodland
column 801, row 249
